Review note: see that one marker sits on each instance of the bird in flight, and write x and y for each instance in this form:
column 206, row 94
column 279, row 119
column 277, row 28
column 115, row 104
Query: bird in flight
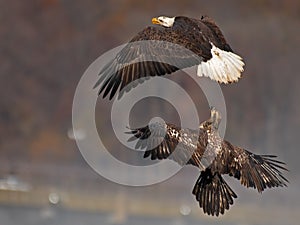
column 176, row 43
column 205, row 149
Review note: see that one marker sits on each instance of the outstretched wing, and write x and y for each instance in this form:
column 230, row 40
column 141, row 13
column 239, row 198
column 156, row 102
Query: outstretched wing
column 184, row 146
column 155, row 51
column 256, row 171
column 160, row 142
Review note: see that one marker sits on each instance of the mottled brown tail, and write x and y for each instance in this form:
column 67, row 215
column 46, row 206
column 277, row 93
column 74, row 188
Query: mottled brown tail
column 213, row 193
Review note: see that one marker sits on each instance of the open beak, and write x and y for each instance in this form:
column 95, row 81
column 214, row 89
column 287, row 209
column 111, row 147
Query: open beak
column 155, row 21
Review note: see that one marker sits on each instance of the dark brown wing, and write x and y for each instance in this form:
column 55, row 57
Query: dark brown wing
column 155, row 51
column 184, row 146
column 218, row 38
column 256, row 171
column 160, row 142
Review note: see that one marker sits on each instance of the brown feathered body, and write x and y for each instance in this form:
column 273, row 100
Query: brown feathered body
column 205, row 149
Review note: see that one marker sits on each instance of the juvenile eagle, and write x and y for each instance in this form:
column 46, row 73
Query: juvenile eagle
column 177, row 43
column 205, row 149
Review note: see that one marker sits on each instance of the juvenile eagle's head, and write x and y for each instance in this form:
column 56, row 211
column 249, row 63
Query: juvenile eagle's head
column 164, row 21
column 213, row 122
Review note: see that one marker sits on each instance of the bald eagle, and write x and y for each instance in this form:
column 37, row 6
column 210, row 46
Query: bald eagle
column 186, row 42
column 205, row 149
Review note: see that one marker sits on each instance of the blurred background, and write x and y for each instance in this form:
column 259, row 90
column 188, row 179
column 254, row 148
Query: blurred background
column 46, row 45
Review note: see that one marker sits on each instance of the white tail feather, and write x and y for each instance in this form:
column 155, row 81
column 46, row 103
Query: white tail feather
column 224, row 67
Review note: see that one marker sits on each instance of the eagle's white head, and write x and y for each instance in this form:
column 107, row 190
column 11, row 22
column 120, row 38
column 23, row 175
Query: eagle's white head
column 164, row 21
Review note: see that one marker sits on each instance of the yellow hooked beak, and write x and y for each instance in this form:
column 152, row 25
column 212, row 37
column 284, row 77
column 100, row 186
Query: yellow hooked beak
column 155, row 21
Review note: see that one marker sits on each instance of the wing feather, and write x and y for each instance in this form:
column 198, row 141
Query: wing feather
column 256, row 171
column 144, row 56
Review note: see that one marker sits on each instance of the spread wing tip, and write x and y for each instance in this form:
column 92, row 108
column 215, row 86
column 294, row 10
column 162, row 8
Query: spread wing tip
column 261, row 172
